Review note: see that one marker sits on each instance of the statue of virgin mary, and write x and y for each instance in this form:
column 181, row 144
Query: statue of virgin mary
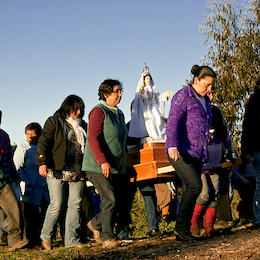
column 147, row 120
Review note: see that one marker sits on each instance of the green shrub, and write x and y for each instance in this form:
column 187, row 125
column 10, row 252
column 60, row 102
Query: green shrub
column 138, row 227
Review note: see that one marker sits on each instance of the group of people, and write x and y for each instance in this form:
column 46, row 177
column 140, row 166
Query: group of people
column 68, row 151
column 197, row 139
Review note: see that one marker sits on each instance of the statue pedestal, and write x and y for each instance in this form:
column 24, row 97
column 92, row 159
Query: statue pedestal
column 149, row 162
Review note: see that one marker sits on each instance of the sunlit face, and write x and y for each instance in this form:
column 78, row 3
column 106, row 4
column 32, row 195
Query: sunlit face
column 114, row 97
column 31, row 136
column 147, row 80
column 75, row 114
column 203, row 86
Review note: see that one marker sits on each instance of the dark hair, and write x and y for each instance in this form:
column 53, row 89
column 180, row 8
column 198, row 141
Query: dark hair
column 257, row 83
column 201, row 72
column 34, row 126
column 107, row 87
column 146, row 76
column 70, row 104
column 218, row 122
column 132, row 105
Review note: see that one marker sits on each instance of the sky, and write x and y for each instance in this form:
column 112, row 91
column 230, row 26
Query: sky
column 51, row 49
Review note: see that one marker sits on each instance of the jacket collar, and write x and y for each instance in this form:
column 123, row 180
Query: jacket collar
column 190, row 91
column 114, row 110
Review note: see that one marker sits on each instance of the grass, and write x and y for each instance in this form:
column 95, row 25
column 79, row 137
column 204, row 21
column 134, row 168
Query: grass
column 138, row 228
column 59, row 252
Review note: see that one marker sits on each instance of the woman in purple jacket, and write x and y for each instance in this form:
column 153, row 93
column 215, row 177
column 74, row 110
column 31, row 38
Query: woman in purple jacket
column 187, row 133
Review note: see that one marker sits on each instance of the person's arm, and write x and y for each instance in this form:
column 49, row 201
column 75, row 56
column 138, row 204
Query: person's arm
column 19, row 162
column 45, row 144
column 95, row 129
column 8, row 167
column 176, row 115
column 174, row 153
column 143, row 96
column 142, row 92
column 236, row 173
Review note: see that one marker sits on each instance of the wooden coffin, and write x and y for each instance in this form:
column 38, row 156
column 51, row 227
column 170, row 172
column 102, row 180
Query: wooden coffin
column 149, row 162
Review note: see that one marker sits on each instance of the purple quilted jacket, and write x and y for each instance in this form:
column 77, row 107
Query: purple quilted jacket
column 188, row 125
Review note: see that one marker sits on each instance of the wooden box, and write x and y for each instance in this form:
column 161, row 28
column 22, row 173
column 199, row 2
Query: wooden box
column 149, row 162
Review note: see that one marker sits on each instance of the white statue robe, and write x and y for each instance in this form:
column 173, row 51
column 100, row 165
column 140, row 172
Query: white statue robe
column 146, row 117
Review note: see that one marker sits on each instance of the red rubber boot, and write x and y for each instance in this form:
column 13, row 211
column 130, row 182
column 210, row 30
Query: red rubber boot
column 197, row 213
column 209, row 221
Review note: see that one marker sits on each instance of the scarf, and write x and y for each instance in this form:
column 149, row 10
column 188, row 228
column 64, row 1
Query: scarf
column 79, row 131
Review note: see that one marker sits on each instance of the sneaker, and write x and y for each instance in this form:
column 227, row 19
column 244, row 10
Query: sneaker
column 19, row 245
column 95, row 232
column 110, row 244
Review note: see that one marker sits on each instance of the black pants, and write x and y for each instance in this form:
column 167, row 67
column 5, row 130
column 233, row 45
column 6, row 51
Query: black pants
column 246, row 192
column 33, row 217
column 112, row 194
column 189, row 172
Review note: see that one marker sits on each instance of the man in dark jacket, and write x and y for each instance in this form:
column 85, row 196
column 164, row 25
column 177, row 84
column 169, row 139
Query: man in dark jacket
column 8, row 201
column 251, row 144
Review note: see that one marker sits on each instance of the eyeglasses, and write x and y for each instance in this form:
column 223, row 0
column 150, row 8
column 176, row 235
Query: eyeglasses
column 119, row 90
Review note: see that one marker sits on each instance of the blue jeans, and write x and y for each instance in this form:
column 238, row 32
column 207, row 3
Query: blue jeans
column 256, row 205
column 189, row 172
column 209, row 192
column 150, row 203
column 60, row 193
column 148, row 192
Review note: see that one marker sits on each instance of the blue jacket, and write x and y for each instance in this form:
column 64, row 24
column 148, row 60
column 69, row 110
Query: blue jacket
column 36, row 186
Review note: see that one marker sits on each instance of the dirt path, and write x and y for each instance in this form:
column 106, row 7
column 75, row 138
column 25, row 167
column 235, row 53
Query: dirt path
column 229, row 245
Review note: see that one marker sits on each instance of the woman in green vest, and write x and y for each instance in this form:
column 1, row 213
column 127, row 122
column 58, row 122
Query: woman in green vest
column 104, row 160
